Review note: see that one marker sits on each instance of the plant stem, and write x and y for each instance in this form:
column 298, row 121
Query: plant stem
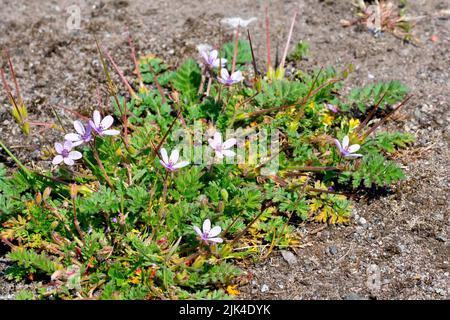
column 17, row 161
column 100, row 164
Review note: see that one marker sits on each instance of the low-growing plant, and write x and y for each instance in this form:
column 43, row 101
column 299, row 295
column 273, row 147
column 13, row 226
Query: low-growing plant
column 204, row 165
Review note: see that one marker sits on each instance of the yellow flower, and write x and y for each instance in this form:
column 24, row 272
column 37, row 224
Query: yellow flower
column 353, row 124
column 231, row 290
column 328, row 119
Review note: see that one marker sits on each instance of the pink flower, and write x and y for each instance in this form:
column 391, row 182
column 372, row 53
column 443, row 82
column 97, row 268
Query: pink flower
column 65, row 154
column 346, row 150
column 220, row 148
column 172, row 163
column 210, row 58
column 101, row 126
column 209, row 234
column 332, row 107
column 228, row 79
column 83, row 135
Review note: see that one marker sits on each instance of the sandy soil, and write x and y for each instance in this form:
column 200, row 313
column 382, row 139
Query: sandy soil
column 402, row 235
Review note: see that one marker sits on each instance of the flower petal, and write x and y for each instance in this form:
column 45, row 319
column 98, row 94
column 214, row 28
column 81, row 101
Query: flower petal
column 228, row 153
column 107, row 122
column 197, row 230
column 214, row 231
column 68, row 145
column 224, row 74
column 206, row 226
column 75, row 155
column 79, row 127
column 219, row 154
column 111, row 132
column 217, row 240
column 229, row 143
column 354, row 148
column 72, row 137
column 345, row 142
column 58, row 147
column 164, row 155
column 338, row 144
column 181, row 164
column 237, row 76
column 58, row 159
column 353, row 155
column 97, row 118
column 212, row 143
column 213, row 54
column 174, row 156
column 218, row 138
column 77, row 143
column 165, row 165
column 69, row 161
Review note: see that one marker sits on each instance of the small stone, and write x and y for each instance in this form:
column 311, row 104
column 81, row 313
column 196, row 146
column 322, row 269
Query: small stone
column 289, row 257
column 264, row 288
column 332, row 250
column 441, row 237
column 362, row 221
column 354, row 296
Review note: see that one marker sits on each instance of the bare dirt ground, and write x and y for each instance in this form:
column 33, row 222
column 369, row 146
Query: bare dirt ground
column 403, row 235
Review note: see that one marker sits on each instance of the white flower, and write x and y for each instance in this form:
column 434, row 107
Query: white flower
column 83, row 135
column 210, row 58
column 100, row 125
column 346, row 150
column 220, row 148
column 209, row 234
column 65, row 154
column 172, row 163
column 228, row 79
column 236, row 21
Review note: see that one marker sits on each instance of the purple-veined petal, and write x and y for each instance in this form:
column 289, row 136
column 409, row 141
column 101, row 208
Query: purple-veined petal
column 228, row 153
column 218, row 138
column 164, row 155
column 75, row 155
column 79, row 127
column 214, row 231
column 68, row 145
column 229, row 143
column 77, row 143
column 72, row 137
column 165, row 165
column 338, row 144
column 69, row 161
column 197, row 231
column 97, row 118
column 345, row 142
column 206, row 226
column 58, row 147
column 174, row 156
column 107, row 122
column 237, row 76
column 217, row 240
column 224, row 74
column 181, row 164
column 204, row 55
column 354, row 148
column 58, row 159
column 212, row 143
column 111, row 132
column 353, row 155
column 213, row 54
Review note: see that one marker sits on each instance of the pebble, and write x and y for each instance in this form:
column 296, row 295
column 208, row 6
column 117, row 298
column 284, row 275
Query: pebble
column 332, row 250
column 354, row 296
column 362, row 221
column 289, row 257
column 264, row 288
